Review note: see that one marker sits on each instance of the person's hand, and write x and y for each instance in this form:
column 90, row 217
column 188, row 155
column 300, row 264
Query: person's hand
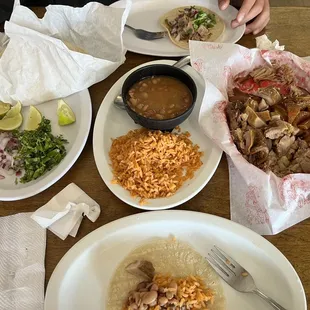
column 259, row 10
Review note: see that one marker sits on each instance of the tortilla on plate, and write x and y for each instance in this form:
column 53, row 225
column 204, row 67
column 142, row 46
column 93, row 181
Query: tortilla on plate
column 168, row 256
column 192, row 23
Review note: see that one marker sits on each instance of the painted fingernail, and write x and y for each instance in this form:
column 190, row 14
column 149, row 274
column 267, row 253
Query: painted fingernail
column 234, row 24
column 221, row 5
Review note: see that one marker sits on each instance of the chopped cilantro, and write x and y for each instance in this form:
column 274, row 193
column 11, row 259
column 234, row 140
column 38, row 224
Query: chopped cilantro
column 39, row 151
column 202, row 18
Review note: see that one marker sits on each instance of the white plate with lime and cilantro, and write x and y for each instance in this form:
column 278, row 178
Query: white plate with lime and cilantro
column 39, row 144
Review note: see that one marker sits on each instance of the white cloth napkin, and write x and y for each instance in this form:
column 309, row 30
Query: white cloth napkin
column 37, row 64
column 22, row 253
column 63, row 214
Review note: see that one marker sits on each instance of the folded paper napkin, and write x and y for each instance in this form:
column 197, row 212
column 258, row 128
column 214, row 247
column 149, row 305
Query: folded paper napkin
column 66, row 51
column 22, row 253
column 63, row 214
column 261, row 201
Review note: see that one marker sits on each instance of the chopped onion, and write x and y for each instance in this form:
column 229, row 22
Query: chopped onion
column 8, row 149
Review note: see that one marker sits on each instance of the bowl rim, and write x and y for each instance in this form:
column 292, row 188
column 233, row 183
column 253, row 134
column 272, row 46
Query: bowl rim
column 190, row 109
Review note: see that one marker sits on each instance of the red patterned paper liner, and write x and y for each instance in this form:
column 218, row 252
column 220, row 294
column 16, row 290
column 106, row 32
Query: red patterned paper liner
column 293, row 190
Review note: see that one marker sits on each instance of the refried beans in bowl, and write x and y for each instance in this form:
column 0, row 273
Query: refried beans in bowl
column 159, row 97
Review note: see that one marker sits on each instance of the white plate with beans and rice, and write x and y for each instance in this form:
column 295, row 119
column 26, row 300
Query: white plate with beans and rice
column 111, row 123
column 84, row 275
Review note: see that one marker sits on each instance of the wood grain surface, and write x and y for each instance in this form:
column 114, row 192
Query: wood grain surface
column 289, row 2
column 289, row 25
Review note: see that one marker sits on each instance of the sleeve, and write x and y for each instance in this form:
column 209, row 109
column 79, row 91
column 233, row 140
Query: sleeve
column 6, row 7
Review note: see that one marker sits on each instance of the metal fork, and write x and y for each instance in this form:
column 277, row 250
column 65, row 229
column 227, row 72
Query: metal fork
column 236, row 276
column 147, row 35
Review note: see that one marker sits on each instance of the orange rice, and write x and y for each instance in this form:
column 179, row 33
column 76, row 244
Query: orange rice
column 191, row 293
column 153, row 164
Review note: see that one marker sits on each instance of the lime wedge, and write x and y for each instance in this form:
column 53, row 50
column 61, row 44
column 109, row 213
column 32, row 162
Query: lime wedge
column 14, row 110
column 4, row 108
column 65, row 114
column 11, row 123
column 34, row 119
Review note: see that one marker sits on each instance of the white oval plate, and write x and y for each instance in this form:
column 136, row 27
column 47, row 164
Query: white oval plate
column 145, row 14
column 76, row 134
column 81, row 279
column 112, row 122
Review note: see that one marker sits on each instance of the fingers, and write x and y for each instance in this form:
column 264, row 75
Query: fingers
column 255, row 11
column 223, row 4
column 250, row 9
column 245, row 9
column 261, row 21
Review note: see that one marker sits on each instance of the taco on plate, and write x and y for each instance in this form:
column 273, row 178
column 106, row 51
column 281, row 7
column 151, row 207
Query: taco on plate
column 157, row 275
column 192, row 23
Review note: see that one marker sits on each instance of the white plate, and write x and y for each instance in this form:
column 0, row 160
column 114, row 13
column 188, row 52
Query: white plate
column 145, row 14
column 81, row 279
column 76, row 134
column 112, row 122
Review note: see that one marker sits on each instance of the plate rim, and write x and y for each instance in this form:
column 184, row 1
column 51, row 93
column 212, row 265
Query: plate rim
column 96, row 151
column 39, row 189
column 190, row 216
column 173, row 54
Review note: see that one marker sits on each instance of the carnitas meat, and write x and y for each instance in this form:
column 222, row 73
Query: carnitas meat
column 269, row 119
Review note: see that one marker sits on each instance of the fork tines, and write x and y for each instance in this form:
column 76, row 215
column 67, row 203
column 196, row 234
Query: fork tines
column 223, row 264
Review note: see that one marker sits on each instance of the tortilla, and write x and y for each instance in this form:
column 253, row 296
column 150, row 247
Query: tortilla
column 216, row 31
column 168, row 257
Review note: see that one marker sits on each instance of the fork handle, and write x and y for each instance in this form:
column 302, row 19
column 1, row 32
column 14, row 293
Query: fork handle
column 271, row 302
column 127, row 26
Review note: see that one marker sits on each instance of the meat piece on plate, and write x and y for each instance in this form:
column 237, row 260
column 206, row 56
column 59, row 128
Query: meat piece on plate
column 259, row 154
column 305, row 162
column 283, row 163
column 301, row 117
column 292, row 112
column 253, row 119
column 253, row 104
column 278, row 129
column 296, row 91
column 264, row 115
column 203, row 31
column 232, row 116
column 263, row 73
column 270, row 94
column 249, row 137
column 284, row 145
column 238, row 138
column 262, row 106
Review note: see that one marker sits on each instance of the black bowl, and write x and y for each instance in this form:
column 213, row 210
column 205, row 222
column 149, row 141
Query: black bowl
column 158, row 70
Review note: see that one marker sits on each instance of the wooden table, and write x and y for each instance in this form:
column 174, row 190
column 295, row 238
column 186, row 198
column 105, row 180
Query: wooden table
column 291, row 27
